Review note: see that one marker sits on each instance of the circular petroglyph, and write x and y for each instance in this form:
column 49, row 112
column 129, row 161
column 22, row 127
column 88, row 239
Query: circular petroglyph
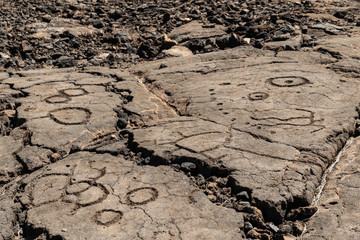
column 288, row 81
column 57, row 99
column 77, row 188
column 48, row 188
column 74, row 92
column 139, row 196
column 70, row 115
column 92, row 195
column 258, row 96
column 107, row 217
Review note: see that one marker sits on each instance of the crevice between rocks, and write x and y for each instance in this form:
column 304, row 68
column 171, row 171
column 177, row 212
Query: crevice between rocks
column 320, row 188
column 179, row 106
column 220, row 187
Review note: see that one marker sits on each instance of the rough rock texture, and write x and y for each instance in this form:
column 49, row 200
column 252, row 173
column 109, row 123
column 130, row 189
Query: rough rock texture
column 9, row 166
column 7, row 217
column 254, row 130
column 88, row 194
column 275, row 120
column 62, row 33
column 67, row 111
column 338, row 215
column 211, row 144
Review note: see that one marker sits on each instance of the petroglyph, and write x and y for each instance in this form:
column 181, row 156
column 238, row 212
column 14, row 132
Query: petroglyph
column 70, row 115
column 243, row 137
column 140, row 196
column 57, row 99
column 258, row 96
column 124, row 201
column 74, row 92
column 107, row 217
column 260, row 121
column 288, row 81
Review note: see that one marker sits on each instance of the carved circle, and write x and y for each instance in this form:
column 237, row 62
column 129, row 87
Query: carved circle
column 288, row 81
column 140, row 196
column 258, row 96
column 70, row 115
column 78, row 187
column 74, row 92
column 95, row 194
column 107, row 217
column 57, row 99
column 47, row 188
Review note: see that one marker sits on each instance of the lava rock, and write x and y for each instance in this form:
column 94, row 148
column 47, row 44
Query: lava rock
column 243, row 196
column 301, row 213
column 65, row 61
column 188, row 166
column 98, row 23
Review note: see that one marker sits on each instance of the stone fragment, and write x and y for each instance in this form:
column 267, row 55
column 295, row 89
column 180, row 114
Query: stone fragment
column 178, row 51
column 34, row 157
column 195, row 30
column 301, row 213
column 188, row 166
column 98, row 23
column 167, row 42
column 259, row 234
column 243, row 195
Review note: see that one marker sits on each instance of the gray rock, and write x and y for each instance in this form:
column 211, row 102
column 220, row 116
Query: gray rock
column 100, row 195
column 195, row 30
column 188, row 166
column 258, row 140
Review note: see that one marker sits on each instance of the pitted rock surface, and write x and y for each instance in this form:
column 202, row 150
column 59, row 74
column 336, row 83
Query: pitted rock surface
column 108, row 197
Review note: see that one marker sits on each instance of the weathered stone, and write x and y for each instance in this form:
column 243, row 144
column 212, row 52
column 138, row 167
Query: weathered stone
column 34, row 157
column 65, row 116
column 7, row 216
column 338, row 215
column 178, row 51
column 92, row 194
column 275, row 144
column 341, row 46
column 9, row 166
column 195, row 30
column 254, row 129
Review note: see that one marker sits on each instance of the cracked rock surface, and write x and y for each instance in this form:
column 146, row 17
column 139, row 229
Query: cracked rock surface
column 211, row 144
column 338, row 215
column 274, row 120
column 108, row 197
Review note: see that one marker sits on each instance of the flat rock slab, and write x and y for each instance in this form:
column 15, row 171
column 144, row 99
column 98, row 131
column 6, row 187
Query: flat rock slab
column 338, row 215
column 66, row 110
column 343, row 46
column 269, row 123
column 88, row 194
column 275, row 121
column 196, row 30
